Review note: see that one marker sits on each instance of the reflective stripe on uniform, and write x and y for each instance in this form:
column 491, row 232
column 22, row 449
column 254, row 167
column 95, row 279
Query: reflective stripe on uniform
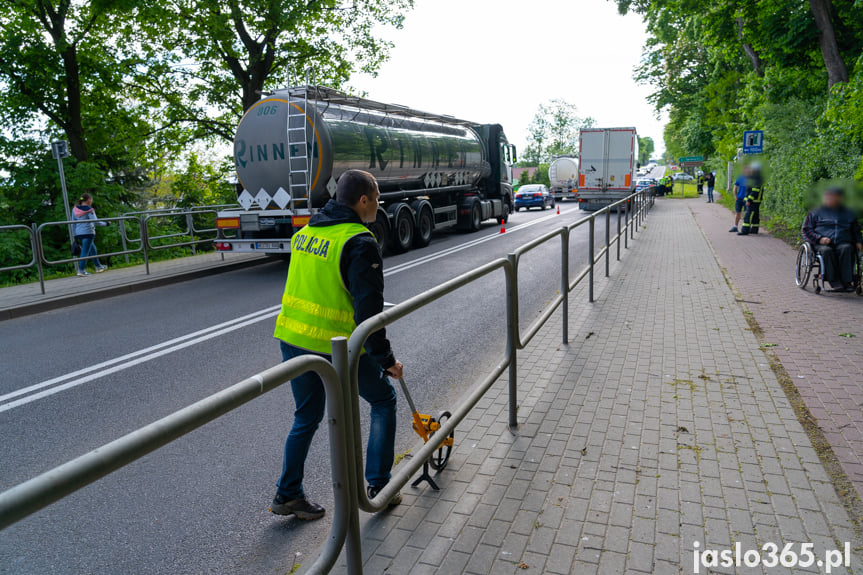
column 317, row 309
column 306, row 330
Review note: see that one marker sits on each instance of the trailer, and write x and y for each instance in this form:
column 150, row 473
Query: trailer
column 608, row 159
column 433, row 171
column 563, row 178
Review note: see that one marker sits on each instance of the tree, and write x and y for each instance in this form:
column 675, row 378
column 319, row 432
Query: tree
column 54, row 64
column 554, row 132
column 646, row 148
column 836, row 70
column 225, row 53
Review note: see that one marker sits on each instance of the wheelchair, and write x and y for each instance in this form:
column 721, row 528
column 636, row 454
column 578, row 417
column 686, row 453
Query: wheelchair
column 810, row 263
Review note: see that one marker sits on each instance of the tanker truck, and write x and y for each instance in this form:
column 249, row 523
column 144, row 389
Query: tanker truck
column 433, row 171
column 608, row 158
column 563, row 176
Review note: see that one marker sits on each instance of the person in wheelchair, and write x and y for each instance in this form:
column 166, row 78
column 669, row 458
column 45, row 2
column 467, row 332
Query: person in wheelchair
column 834, row 232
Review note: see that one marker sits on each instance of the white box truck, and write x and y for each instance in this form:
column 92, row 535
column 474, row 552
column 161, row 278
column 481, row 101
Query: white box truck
column 608, row 159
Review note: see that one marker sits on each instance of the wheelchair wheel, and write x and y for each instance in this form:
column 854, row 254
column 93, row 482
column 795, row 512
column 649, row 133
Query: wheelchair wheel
column 440, row 458
column 804, row 266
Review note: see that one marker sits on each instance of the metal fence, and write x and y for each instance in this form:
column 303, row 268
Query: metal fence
column 341, row 383
column 146, row 239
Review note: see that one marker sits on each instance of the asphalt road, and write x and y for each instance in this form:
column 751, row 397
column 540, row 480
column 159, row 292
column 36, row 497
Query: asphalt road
column 76, row 378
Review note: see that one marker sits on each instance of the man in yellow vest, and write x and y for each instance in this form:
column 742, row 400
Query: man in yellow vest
column 335, row 282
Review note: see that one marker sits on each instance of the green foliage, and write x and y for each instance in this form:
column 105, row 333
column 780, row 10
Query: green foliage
column 540, row 176
column 646, row 147
column 723, row 67
column 554, row 132
column 135, row 86
column 524, row 178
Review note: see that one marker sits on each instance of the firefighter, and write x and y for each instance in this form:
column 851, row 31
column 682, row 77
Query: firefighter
column 335, row 281
column 700, row 182
column 754, row 195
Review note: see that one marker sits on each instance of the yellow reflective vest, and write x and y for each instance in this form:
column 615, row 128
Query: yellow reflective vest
column 316, row 305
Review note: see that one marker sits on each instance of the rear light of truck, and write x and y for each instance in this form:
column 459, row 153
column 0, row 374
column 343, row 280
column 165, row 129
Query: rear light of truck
column 300, row 221
column 223, row 247
column 227, row 223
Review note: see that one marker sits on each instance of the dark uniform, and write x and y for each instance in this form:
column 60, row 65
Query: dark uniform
column 701, row 179
column 752, row 215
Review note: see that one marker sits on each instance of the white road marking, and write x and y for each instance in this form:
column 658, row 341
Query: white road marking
column 74, row 379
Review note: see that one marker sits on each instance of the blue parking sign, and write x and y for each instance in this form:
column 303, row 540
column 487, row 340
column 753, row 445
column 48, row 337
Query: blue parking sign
column 753, row 142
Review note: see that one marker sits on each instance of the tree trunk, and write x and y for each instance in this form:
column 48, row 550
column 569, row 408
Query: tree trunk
column 836, row 70
column 73, row 125
column 750, row 51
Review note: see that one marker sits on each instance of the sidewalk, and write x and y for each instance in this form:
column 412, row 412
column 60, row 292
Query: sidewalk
column 28, row 298
column 826, row 368
column 660, row 425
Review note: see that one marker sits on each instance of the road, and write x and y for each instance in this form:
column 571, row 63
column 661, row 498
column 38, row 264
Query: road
column 76, row 378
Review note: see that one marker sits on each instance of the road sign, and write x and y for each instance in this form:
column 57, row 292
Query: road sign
column 689, row 159
column 59, row 149
column 753, row 142
column 691, row 164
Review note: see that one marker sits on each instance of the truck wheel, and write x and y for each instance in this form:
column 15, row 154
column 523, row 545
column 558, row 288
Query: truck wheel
column 380, row 229
column 475, row 217
column 505, row 217
column 403, row 232
column 424, row 227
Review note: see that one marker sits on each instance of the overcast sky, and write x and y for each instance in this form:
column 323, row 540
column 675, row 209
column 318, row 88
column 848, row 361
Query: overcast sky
column 493, row 61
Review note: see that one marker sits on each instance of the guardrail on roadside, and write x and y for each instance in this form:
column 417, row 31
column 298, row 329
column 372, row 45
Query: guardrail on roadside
column 144, row 243
column 340, row 380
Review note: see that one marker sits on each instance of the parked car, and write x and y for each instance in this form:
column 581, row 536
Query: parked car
column 681, row 177
column 643, row 183
column 533, row 196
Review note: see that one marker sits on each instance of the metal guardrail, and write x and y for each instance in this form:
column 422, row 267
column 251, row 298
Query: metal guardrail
column 35, row 260
column 141, row 244
column 341, row 383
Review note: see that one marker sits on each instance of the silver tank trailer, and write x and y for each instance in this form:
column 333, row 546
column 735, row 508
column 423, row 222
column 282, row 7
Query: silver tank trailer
column 408, row 155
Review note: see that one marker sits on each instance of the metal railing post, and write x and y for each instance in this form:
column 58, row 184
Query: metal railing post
column 631, row 221
column 145, row 243
column 619, row 213
column 191, row 229
column 626, row 225
column 37, row 255
column 346, row 522
column 123, row 238
column 590, row 258
column 607, row 240
column 512, row 337
column 564, row 282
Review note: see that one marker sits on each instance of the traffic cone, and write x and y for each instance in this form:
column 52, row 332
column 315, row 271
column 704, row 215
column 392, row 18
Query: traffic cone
column 502, row 226
column 558, row 209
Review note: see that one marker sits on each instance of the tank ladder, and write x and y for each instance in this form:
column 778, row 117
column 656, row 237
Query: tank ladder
column 300, row 124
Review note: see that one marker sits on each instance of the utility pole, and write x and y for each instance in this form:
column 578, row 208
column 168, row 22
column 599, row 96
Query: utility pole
column 60, row 150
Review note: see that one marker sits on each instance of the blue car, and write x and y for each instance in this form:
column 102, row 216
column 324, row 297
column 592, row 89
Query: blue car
column 533, row 196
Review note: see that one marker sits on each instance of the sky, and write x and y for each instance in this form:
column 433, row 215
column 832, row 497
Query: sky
column 490, row 61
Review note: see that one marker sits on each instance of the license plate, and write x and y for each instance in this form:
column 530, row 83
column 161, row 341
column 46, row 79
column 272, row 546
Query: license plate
column 267, row 245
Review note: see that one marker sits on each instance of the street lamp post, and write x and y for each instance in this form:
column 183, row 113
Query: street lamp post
column 60, row 150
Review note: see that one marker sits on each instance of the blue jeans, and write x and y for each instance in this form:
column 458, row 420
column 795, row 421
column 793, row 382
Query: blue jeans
column 709, row 194
column 88, row 248
column 310, row 398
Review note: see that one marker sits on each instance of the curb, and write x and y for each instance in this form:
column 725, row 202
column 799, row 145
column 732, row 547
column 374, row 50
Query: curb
column 66, row 301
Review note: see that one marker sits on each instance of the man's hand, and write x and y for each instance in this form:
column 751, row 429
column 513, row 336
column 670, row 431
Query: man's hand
column 824, row 241
column 396, row 371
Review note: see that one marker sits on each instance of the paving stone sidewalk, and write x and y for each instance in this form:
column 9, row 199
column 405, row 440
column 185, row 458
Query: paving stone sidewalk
column 14, row 299
column 660, row 425
column 826, row 368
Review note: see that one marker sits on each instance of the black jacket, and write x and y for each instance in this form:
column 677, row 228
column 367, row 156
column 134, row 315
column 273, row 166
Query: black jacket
column 362, row 270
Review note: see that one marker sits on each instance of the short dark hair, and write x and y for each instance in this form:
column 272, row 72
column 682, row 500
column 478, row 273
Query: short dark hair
column 85, row 197
column 835, row 190
column 353, row 185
